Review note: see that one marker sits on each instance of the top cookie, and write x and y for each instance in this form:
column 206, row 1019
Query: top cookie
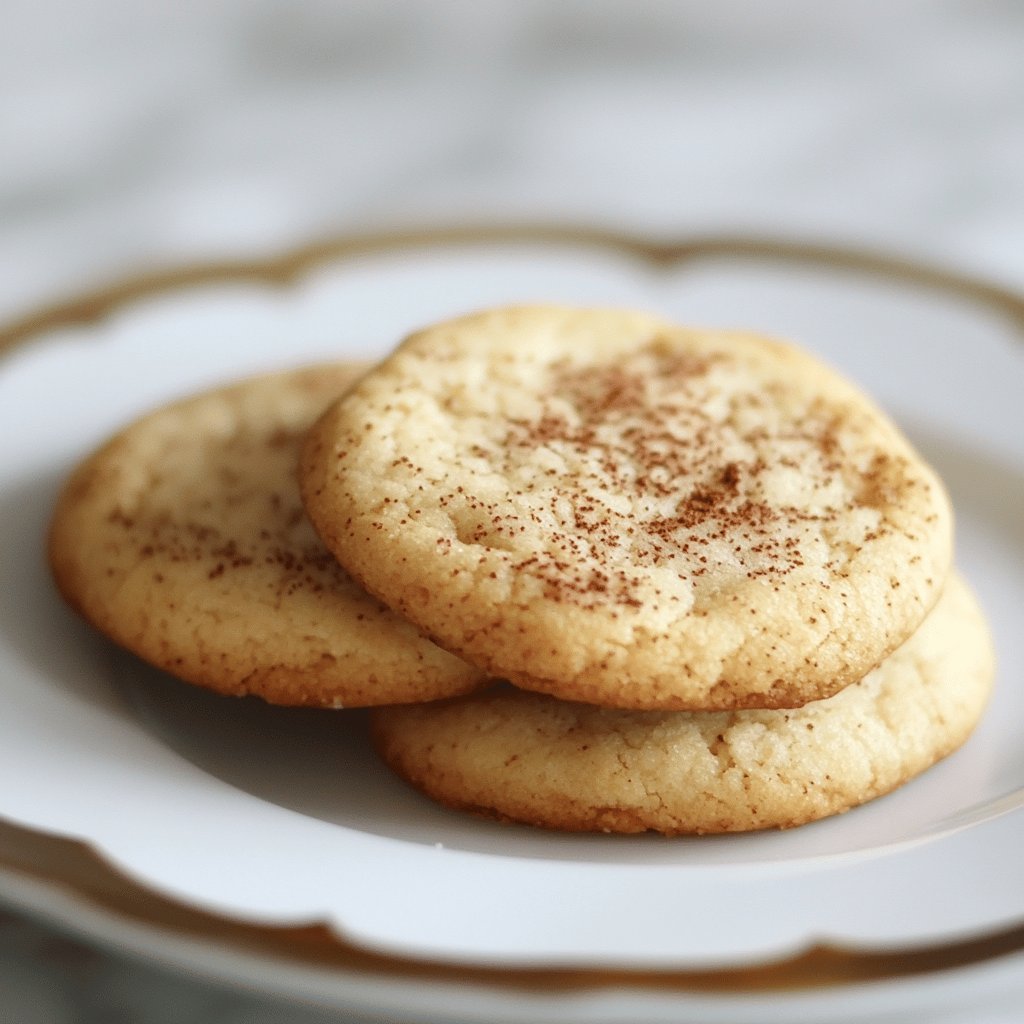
column 609, row 508
column 184, row 539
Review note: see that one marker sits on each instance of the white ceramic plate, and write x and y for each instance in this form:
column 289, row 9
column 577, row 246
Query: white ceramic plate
column 281, row 816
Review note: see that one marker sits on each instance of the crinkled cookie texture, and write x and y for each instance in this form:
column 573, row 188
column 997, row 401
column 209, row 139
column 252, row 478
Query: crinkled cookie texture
column 610, row 508
column 531, row 758
column 184, row 539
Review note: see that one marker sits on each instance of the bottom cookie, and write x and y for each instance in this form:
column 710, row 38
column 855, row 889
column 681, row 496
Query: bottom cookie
column 530, row 758
column 183, row 539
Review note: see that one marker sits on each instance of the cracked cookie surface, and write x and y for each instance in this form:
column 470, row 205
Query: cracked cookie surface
column 606, row 507
column 531, row 758
column 184, row 539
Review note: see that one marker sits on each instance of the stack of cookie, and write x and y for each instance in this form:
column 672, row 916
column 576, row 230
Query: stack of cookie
column 679, row 580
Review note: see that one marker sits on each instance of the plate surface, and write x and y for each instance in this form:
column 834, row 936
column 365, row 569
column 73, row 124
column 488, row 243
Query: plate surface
column 281, row 817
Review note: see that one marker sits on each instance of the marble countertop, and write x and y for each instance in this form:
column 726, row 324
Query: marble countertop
column 140, row 136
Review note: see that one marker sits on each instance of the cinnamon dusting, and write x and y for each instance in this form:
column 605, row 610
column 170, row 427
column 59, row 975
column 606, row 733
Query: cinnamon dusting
column 654, row 476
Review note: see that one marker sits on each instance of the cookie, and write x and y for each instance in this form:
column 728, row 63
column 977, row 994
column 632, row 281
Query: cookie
column 531, row 758
column 184, row 540
column 603, row 506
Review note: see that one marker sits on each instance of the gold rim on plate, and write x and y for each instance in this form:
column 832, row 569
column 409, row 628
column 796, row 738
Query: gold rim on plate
column 77, row 869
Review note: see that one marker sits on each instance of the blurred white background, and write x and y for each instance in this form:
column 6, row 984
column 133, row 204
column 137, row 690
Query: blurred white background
column 137, row 134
